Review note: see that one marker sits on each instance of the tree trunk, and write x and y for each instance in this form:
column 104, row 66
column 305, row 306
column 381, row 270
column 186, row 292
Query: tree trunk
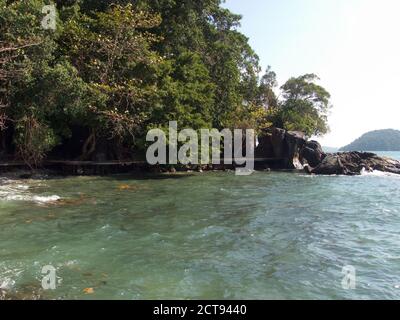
column 89, row 147
column 3, row 143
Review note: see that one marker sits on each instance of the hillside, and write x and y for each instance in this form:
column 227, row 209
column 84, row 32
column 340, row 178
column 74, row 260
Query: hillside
column 380, row 140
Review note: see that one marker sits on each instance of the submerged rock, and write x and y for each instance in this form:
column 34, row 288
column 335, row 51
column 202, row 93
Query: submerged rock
column 354, row 163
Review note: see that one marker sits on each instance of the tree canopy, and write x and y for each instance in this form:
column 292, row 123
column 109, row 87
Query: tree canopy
column 303, row 105
column 112, row 70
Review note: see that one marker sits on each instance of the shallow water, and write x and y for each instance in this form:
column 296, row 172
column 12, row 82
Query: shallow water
column 201, row 236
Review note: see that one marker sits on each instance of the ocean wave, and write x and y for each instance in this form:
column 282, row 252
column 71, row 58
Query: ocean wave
column 377, row 173
column 6, row 284
column 313, row 176
column 30, row 198
column 15, row 191
column 8, row 277
column 46, row 199
column 363, row 173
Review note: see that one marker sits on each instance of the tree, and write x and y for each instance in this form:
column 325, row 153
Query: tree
column 266, row 95
column 112, row 52
column 96, row 72
column 114, row 69
column 185, row 93
column 208, row 31
column 304, row 106
column 26, row 52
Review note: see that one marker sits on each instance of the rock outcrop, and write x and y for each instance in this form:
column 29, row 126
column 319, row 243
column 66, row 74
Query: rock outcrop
column 291, row 150
column 278, row 142
column 295, row 142
column 354, row 163
column 285, row 146
column 312, row 153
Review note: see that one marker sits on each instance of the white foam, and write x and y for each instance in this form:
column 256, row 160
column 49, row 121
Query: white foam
column 22, row 187
column 377, row 173
column 6, row 284
column 17, row 197
column 363, row 173
column 37, row 199
column 12, row 191
column 42, row 199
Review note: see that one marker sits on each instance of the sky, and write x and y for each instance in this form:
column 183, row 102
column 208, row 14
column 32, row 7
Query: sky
column 352, row 45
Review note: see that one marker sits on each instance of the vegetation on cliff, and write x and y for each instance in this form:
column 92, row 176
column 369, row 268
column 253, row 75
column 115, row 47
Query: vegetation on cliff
column 379, row 140
column 112, row 70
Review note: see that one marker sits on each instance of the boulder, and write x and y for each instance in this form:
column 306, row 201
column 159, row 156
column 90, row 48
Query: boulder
column 282, row 145
column 278, row 142
column 265, row 148
column 312, row 153
column 354, row 163
column 294, row 142
column 329, row 166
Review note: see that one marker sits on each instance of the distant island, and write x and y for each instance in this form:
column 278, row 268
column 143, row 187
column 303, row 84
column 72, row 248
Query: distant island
column 379, row 140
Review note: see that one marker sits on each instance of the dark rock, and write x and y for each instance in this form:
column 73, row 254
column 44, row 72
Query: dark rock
column 282, row 145
column 294, row 142
column 278, row 142
column 353, row 163
column 172, row 170
column 331, row 165
column 312, row 153
column 265, row 148
column 307, row 169
column 100, row 157
column 26, row 176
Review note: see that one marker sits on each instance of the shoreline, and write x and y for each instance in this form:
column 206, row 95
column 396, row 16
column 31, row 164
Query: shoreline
column 92, row 168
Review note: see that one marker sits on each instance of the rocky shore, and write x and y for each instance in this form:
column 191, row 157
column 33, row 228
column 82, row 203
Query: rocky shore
column 354, row 163
column 277, row 149
column 299, row 153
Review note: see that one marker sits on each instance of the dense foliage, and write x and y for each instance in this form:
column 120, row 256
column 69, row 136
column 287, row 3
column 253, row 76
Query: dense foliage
column 379, row 140
column 112, row 70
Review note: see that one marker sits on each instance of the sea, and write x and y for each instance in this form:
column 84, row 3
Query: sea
column 212, row 235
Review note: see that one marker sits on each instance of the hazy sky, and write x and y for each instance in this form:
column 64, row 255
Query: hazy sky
column 352, row 45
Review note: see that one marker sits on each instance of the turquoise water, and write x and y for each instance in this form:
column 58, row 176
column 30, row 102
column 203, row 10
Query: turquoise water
column 390, row 154
column 201, row 236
